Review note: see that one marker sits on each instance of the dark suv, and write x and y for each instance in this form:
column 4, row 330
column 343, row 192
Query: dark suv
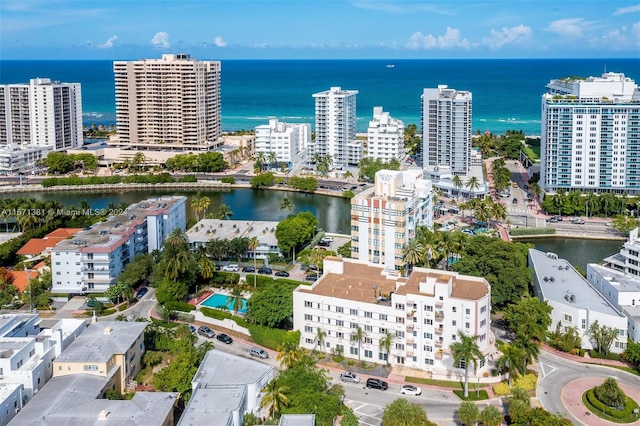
column 265, row 271
column 377, row 384
column 224, row 338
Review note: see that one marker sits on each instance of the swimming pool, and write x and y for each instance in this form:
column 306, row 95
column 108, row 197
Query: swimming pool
column 219, row 301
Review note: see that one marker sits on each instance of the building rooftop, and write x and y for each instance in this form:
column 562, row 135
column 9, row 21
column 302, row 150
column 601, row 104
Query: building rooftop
column 63, row 233
column 297, row 420
column 208, row 229
column 560, row 282
column 35, row 246
column 621, row 281
column 9, row 323
column 223, row 369
column 76, row 400
column 100, row 341
column 213, row 405
column 7, row 389
column 21, row 278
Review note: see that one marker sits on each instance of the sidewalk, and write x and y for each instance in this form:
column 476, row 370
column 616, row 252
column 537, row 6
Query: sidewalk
column 584, row 360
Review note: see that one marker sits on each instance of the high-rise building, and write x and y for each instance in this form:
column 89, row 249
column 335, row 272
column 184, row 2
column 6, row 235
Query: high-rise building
column 36, row 118
column 590, row 139
column 446, row 129
column 385, row 137
column 168, row 103
column 281, row 142
column 336, row 127
column 384, row 218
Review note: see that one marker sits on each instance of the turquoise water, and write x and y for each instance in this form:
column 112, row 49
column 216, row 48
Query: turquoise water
column 219, row 301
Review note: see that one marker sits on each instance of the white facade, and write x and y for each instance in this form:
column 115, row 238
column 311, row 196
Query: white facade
column 574, row 301
column 285, row 140
column 423, row 313
column 10, row 402
column 335, row 125
column 590, row 139
column 38, row 117
column 385, row 137
column 446, row 129
column 384, row 218
column 93, row 259
column 168, row 103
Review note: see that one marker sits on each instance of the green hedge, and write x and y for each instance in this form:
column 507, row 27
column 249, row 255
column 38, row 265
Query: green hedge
column 532, row 231
column 228, row 179
column 221, row 314
column 601, row 407
column 265, row 280
column 595, row 354
column 226, row 278
column 179, row 306
column 273, row 338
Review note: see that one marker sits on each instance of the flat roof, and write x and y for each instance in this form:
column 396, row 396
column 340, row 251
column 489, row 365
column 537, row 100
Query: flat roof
column 560, row 282
column 100, row 341
column 7, row 389
column 225, row 369
column 621, row 281
column 76, row 400
column 213, row 405
column 208, row 229
column 297, row 420
column 11, row 322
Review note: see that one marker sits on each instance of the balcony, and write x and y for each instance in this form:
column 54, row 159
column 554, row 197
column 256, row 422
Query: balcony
column 439, row 315
column 439, row 303
column 438, row 343
column 439, row 354
column 439, row 330
column 410, row 326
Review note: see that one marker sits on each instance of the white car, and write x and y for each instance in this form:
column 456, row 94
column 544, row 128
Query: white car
column 410, row 390
column 231, row 268
column 328, row 239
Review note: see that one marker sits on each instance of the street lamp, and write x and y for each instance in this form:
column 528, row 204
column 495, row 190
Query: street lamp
column 26, row 272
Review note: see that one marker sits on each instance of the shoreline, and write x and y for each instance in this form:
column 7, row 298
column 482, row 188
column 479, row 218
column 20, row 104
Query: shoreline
column 572, row 236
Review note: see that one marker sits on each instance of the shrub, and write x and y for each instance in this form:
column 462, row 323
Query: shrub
column 228, row 179
column 596, row 354
column 501, row 389
column 109, row 311
column 610, row 393
column 273, row 338
column 532, row 231
column 152, row 358
column 218, row 314
column 630, row 405
column 189, row 178
column 527, row 382
column 226, row 278
column 179, row 306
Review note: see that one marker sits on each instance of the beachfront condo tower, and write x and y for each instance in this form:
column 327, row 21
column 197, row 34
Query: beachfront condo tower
column 590, row 139
column 279, row 143
column 171, row 103
column 36, row 118
column 336, row 128
column 384, row 218
column 446, row 129
column 385, row 137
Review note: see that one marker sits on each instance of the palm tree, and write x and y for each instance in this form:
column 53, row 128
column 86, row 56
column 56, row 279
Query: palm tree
column 529, row 347
column 177, row 264
column 275, row 397
column 473, row 183
column 358, row 336
column 385, row 343
column 320, row 336
column 272, row 157
column 224, row 212
column 138, row 160
column 316, row 158
column 234, row 300
column 260, row 158
column 482, row 212
column 206, row 265
column 286, row 204
column 457, row 183
column 253, row 245
column 177, row 239
column 347, row 175
column 199, row 205
column 467, row 351
column 413, row 253
column 468, row 413
column 511, row 360
column 490, row 416
column 289, row 354
column 498, row 211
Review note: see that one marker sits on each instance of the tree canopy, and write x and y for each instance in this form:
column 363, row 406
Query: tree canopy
column 295, row 230
column 402, row 413
column 203, row 162
column 530, row 317
column 271, row 306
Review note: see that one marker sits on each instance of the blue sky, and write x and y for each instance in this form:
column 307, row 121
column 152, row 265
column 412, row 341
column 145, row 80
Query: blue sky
column 310, row 29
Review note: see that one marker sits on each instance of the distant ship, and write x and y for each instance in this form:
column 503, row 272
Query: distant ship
column 390, row 65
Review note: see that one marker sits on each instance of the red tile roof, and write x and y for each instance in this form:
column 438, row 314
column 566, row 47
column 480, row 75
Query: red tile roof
column 21, row 278
column 35, row 246
column 63, row 232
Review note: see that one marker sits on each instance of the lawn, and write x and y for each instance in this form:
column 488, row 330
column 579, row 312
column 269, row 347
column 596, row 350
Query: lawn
column 443, row 383
column 473, row 395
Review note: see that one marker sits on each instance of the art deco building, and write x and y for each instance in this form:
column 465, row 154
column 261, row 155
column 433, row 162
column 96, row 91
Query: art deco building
column 168, row 103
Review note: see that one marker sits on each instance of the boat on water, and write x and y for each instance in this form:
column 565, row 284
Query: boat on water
column 390, row 65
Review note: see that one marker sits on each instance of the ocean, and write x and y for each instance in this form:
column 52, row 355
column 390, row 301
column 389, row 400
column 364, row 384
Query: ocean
column 506, row 93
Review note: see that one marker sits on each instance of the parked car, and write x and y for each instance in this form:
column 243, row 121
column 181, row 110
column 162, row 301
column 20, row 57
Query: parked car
column 454, row 210
column 192, row 328
column 552, row 220
column 248, row 269
column 259, row 352
column 142, row 292
column 282, row 274
column 329, row 239
column 205, row 331
column 377, row 384
column 410, row 390
column 265, row 271
column 515, row 201
column 349, row 376
column 577, row 220
column 324, row 243
column 311, row 277
column 526, row 187
column 231, row 268
column 224, row 338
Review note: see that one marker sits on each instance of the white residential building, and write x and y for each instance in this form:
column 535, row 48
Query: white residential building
column 10, row 401
column 385, row 217
column 335, row 117
column 385, row 137
column 93, row 259
column 574, row 301
column 422, row 314
column 284, row 140
column 590, row 134
column 36, row 118
column 171, row 103
column 446, row 129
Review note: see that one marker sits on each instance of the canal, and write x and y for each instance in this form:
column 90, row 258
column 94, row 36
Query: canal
column 577, row 251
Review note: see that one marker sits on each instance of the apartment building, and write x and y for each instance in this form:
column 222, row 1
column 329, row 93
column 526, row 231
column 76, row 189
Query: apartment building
column 385, row 137
column 37, row 118
column 385, row 217
column 281, row 142
column 575, row 302
column 92, row 260
column 590, row 134
column 446, row 129
column 171, row 103
column 420, row 316
column 335, row 125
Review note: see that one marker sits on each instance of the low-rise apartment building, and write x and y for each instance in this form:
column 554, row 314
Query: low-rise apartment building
column 574, row 301
column 92, row 260
column 385, row 137
column 419, row 316
column 280, row 142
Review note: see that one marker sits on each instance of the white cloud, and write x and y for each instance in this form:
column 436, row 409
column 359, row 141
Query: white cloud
column 451, row 39
column 109, row 43
column 219, row 42
column 260, row 45
column 506, row 36
column 161, row 40
column 625, row 10
column 396, row 8
column 635, row 31
column 572, row 27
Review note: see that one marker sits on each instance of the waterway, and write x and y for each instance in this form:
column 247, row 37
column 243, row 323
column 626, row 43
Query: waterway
column 577, row 251
column 246, row 204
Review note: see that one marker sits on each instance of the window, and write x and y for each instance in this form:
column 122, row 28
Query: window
column 368, row 354
column 353, row 351
column 368, row 328
column 454, row 323
column 428, row 321
column 428, row 361
column 400, row 320
column 467, row 325
column 90, row 368
column 454, row 309
column 400, row 334
column 308, row 341
column 353, row 325
column 308, row 317
column 483, row 309
column 400, row 306
column 308, row 329
column 354, row 312
column 428, row 308
column 339, row 310
column 584, row 324
column 467, row 311
column 383, row 317
column 308, row 304
column 339, row 323
column 482, row 323
column 428, row 348
column 382, row 356
column 368, row 315
column 340, row 335
column 400, row 346
column 428, row 336
column 568, row 318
